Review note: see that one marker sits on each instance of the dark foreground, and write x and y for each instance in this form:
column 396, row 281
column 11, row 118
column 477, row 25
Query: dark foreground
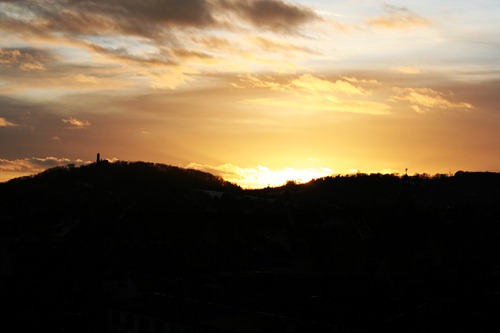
column 138, row 247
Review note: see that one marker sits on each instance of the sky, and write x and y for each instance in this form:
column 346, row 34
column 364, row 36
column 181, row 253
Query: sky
column 258, row 92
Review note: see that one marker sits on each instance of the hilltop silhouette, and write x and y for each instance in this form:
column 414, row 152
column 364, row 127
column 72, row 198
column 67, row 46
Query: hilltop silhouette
column 143, row 247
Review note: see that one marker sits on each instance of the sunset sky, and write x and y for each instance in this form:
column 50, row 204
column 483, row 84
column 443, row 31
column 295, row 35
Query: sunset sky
column 258, row 92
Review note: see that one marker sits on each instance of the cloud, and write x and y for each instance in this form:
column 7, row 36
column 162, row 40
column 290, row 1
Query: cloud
column 306, row 83
column 362, row 81
column 214, row 43
column 124, row 55
column 168, row 79
column 398, row 18
column 322, row 103
column 34, row 165
column 23, row 59
column 76, row 123
column 273, row 15
column 310, row 93
column 273, row 46
column 265, row 82
column 153, row 37
column 131, row 17
column 158, row 44
column 82, row 78
column 5, row 123
column 407, row 70
column 153, row 19
column 424, row 99
column 195, row 13
column 115, row 29
column 262, row 176
column 313, row 84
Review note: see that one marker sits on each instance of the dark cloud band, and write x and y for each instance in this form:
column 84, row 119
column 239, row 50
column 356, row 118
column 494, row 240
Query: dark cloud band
column 151, row 18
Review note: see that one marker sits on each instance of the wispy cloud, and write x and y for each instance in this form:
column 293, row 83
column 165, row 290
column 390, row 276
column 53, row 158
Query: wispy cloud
column 352, row 79
column 32, row 165
column 311, row 93
column 275, row 46
column 82, row 78
column 76, row 123
column 313, row 84
column 425, row 99
column 23, row 59
column 398, row 18
column 407, row 70
column 5, row 123
column 307, row 83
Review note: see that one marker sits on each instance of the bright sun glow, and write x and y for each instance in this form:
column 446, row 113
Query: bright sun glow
column 261, row 176
column 266, row 177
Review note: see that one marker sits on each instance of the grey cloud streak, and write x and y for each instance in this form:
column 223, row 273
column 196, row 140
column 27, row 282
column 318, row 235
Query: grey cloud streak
column 166, row 25
column 136, row 17
column 149, row 18
column 25, row 59
column 275, row 15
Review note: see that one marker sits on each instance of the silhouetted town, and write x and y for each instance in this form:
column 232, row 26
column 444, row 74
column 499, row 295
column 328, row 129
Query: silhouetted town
column 143, row 247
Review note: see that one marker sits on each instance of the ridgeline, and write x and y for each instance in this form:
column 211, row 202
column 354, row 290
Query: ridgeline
column 126, row 246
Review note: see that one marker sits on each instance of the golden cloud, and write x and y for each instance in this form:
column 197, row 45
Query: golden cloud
column 82, row 78
column 398, row 18
column 266, row 82
column 322, row 103
column 306, row 83
column 168, row 79
column 76, row 123
column 274, row 46
column 425, row 99
column 310, row 93
column 362, row 81
column 5, row 123
column 312, row 84
column 35, row 164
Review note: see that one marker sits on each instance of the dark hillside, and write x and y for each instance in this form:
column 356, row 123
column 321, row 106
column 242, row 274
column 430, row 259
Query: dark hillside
column 139, row 247
column 104, row 191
